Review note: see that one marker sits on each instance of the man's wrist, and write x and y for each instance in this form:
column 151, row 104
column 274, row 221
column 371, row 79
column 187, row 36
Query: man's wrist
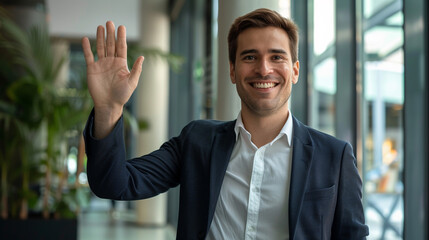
column 105, row 119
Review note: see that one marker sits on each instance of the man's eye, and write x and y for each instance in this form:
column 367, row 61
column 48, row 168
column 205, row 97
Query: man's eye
column 249, row 58
column 277, row 57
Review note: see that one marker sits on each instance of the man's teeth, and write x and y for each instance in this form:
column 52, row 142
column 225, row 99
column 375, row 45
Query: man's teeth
column 264, row 85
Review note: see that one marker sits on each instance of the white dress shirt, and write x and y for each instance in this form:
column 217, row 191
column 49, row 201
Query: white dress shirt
column 254, row 197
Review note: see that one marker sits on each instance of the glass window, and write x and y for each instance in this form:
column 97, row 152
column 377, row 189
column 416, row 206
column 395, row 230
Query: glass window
column 323, row 25
column 324, row 89
column 371, row 7
column 383, row 72
column 322, row 115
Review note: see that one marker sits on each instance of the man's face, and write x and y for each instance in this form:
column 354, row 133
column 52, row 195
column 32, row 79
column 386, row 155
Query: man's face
column 263, row 70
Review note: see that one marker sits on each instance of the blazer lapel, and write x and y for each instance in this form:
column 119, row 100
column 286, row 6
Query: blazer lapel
column 302, row 156
column 223, row 145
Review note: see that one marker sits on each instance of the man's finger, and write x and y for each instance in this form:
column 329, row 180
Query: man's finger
column 121, row 42
column 110, row 43
column 101, row 50
column 87, row 53
column 136, row 71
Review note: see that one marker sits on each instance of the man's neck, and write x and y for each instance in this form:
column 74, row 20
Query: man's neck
column 264, row 128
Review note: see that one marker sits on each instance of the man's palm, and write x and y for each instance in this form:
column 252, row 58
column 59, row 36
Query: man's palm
column 110, row 83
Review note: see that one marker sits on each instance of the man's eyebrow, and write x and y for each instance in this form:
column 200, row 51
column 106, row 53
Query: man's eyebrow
column 274, row 50
column 244, row 52
column 277, row 51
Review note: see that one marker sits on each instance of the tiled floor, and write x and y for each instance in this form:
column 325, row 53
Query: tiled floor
column 97, row 223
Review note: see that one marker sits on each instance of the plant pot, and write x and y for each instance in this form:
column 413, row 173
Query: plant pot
column 38, row 228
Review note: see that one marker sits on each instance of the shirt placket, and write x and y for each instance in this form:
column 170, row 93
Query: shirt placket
column 255, row 194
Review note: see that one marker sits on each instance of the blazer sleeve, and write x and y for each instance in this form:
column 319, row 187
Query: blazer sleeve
column 349, row 220
column 110, row 175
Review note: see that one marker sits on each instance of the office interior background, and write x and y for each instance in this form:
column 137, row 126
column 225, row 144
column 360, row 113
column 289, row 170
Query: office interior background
column 363, row 78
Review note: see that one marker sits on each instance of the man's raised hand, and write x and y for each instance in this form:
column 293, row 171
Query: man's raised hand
column 110, row 83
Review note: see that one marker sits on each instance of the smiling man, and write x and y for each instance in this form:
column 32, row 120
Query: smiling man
column 262, row 176
column 263, row 71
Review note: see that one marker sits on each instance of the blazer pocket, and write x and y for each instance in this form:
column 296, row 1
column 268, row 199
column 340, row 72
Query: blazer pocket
column 320, row 194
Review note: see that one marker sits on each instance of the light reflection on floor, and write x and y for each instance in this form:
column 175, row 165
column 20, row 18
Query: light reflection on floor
column 98, row 223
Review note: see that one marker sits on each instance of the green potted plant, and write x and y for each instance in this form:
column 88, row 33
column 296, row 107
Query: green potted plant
column 38, row 119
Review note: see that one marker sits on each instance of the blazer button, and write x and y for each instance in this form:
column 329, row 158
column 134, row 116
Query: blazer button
column 201, row 235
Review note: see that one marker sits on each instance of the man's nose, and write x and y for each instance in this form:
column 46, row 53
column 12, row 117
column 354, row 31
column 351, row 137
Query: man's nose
column 264, row 67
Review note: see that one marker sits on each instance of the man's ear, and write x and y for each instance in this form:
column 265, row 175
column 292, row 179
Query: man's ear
column 232, row 72
column 295, row 72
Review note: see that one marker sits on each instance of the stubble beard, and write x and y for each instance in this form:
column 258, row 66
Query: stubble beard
column 255, row 105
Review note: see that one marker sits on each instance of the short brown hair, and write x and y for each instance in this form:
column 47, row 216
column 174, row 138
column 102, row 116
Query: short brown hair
column 261, row 18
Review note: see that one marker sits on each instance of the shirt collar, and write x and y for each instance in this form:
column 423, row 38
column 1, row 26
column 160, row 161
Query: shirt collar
column 286, row 129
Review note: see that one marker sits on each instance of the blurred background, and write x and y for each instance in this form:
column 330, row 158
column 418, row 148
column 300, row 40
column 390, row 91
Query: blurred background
column 363, row 78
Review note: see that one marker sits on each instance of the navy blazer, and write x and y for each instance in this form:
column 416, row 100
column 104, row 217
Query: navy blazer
column 325, row 188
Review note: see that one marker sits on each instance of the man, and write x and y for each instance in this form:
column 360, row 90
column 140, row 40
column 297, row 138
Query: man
column 263, row 176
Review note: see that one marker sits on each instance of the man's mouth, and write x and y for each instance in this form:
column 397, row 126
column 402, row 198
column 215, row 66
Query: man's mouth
column 264, row 85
